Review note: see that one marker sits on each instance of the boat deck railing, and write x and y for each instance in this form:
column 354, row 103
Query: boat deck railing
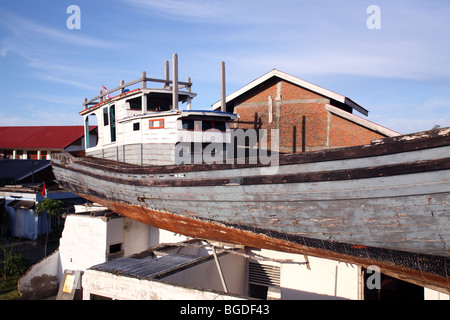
column 171, row 85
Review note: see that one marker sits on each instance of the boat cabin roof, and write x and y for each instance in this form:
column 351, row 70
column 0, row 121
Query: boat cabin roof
column 149, row 102
column 161, row 95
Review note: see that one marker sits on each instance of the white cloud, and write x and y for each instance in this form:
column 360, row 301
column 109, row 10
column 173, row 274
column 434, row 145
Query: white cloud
column 30, row 31
column 51, row 98
column 4, row 51
column 224, row 12
column 7, row 120
column 49, row 115
column 409, row 60
column 407, row 125
column 72, row 83
column 51, row 54
column 204, row 10
column 436, row 104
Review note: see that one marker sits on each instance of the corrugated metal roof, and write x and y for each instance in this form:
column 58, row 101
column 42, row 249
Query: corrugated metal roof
column 19, row 169
column 144, row 267
column 22, row 204
column 51, row 137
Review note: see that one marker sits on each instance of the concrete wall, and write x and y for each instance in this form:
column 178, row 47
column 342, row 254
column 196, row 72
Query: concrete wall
column 42, row 280
column 126, row 288
column 83, row 242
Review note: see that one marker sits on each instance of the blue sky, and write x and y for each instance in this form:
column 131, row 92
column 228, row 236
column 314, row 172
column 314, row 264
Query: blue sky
column 400, row 73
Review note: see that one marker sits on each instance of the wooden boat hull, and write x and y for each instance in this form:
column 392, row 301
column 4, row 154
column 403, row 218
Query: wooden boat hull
column 384, row 204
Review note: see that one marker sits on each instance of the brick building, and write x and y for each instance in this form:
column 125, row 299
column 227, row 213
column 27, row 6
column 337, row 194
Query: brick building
column 309, row 117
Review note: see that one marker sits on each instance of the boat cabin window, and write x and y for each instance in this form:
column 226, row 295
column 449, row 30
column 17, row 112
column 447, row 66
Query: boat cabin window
column 203, row 125
column 158, row 102
column 136, row 126
column 91, row 137
column 220, row 125
column 135, row 103
column 105, row 117
column 188, row 124
column 154, row 103
column 207, row 125
column 112, row 121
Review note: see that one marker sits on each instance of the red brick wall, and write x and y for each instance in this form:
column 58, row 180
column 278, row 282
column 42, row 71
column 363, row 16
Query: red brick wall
column 305, row 124
column 345, row 133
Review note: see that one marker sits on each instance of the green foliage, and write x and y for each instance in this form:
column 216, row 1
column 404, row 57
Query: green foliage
column 8, row 288
column 50, row 206
column 13, row 264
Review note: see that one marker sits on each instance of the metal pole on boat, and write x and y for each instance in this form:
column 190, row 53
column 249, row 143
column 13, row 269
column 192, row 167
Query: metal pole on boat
column 122, row 83
column 144, row 96
column 175, row 82
column 223, row 107
column 189, row 102
column 166, row 75
column 144, row 79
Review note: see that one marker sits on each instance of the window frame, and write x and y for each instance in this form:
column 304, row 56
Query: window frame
column 212, row 122
column 156, row 120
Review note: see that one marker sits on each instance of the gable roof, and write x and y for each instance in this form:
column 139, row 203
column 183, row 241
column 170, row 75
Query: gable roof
column 302, row 83
column 362, row 122
column 39, row 137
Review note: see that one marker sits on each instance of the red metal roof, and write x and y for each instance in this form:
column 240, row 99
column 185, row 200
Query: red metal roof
column 39, row 137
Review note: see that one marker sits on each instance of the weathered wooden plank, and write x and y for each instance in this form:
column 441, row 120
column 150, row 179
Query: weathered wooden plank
column 284, row 203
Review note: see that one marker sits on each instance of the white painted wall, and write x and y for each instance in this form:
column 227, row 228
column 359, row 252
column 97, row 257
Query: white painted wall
column 115, row 232
column 435, row 295
column 139, row 237
column 126, row 288
column 327, row 279
column 83, row 242
column 206, row 275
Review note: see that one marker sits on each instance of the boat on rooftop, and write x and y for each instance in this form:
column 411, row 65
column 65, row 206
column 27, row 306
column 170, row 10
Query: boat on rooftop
column 386, row 203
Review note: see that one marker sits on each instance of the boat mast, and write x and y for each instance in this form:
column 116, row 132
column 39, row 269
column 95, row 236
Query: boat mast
column 223, row 107
column 175, row 82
